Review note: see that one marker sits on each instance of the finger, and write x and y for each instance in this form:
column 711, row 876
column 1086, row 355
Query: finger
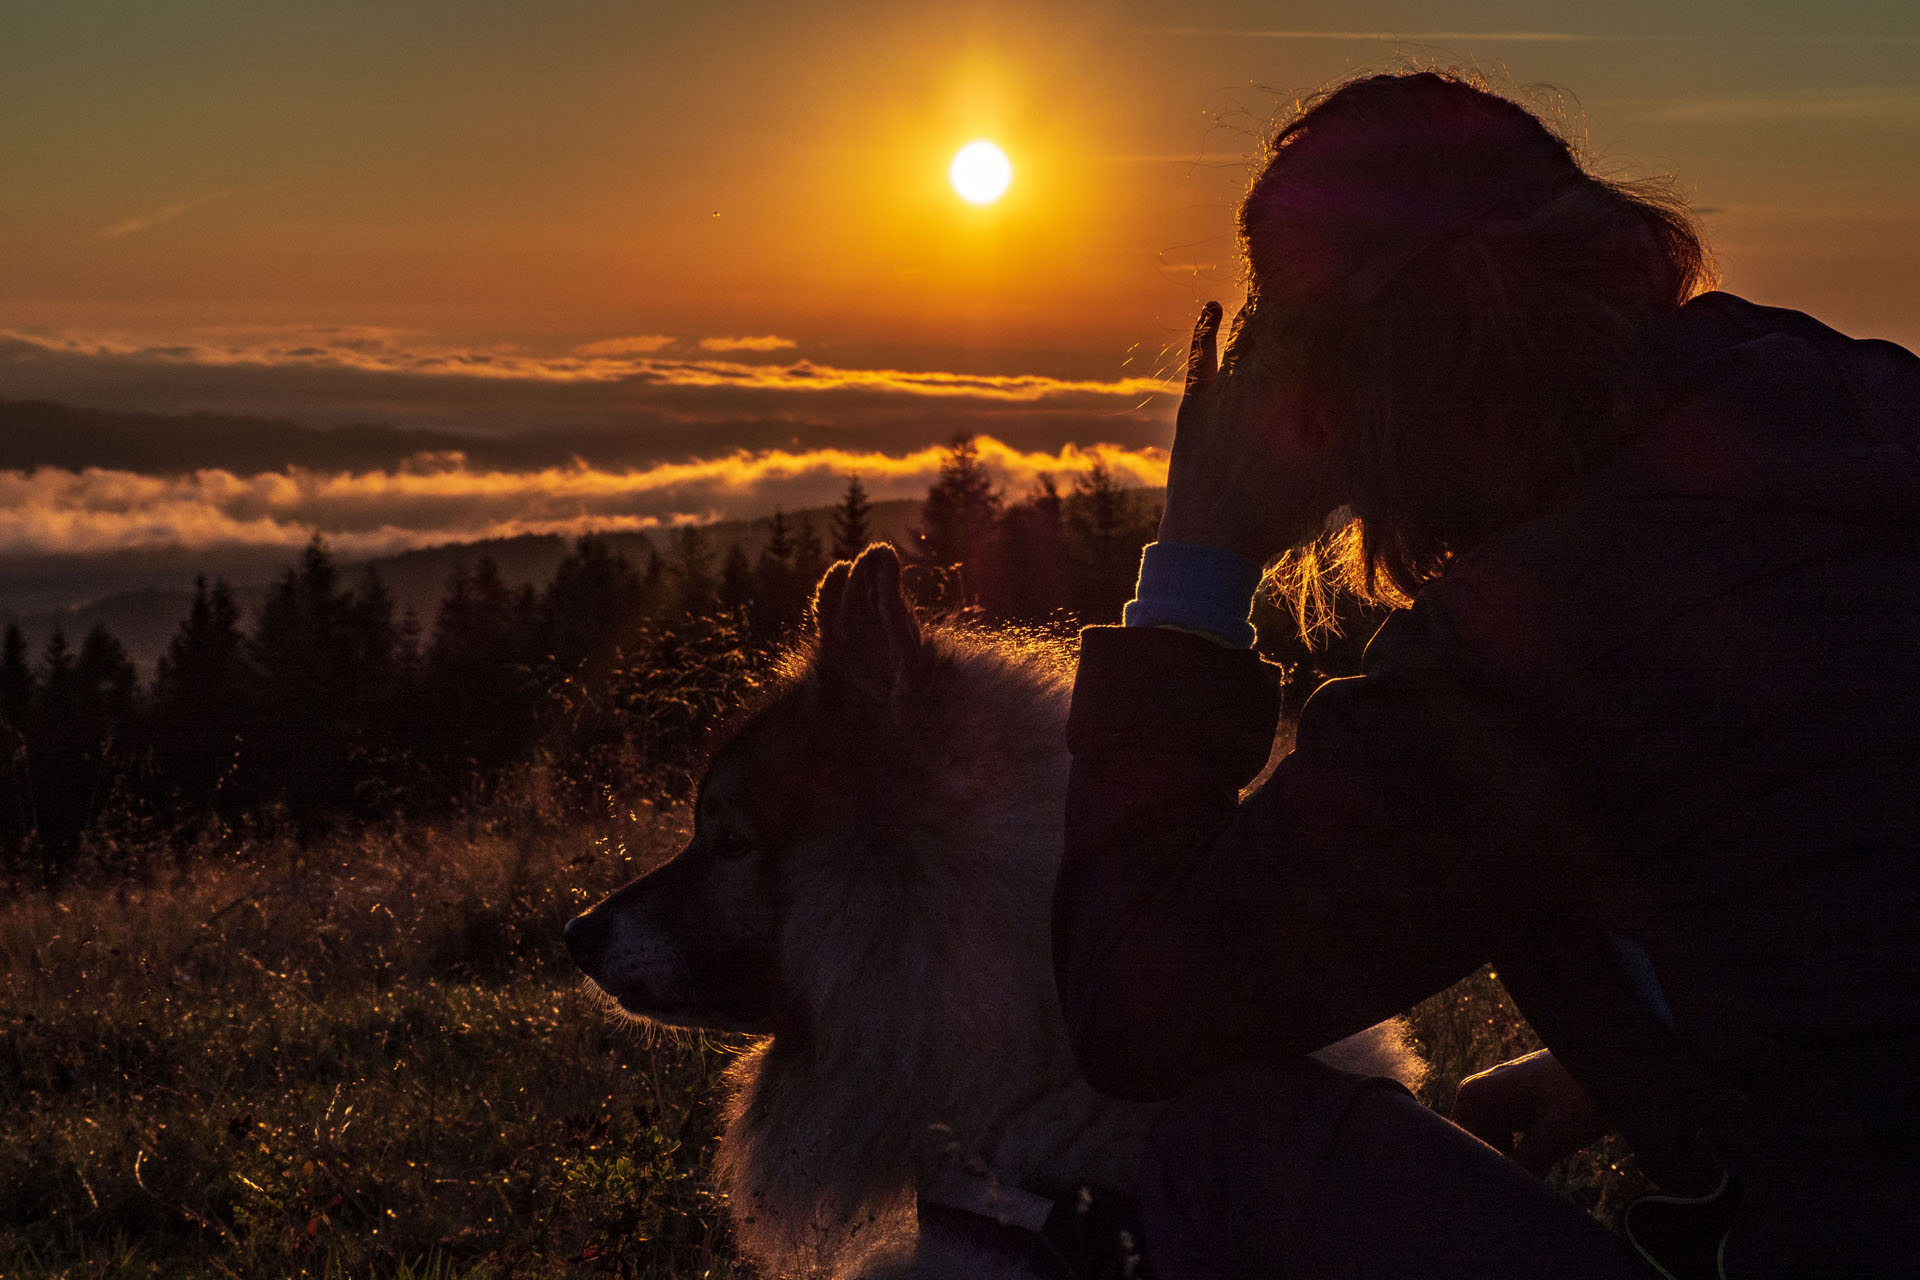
column 1204, row 359
column 1236, row 348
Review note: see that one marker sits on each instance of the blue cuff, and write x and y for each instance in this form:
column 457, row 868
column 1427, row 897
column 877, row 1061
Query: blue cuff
column 1196, row 588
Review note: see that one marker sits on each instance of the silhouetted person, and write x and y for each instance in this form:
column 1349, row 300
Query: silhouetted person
column 1646, row 736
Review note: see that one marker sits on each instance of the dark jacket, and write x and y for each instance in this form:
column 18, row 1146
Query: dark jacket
column 1675, row 720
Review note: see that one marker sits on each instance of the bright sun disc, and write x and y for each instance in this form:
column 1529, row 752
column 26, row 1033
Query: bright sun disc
column 981, row 172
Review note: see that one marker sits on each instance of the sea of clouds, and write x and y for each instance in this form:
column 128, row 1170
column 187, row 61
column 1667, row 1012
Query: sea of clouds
column 381, row 440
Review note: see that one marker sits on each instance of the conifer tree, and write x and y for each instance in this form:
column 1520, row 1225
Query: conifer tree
column 809, row 562
column 475, row 686
column 409, row 659
column 958, row 512
column 693, row 572
column 779, row 548
column 374, row 635
column 474, row 630
column 303, row 642
column 957, row 518
column 16, row 678
column 106, row 677
column 656, row 593
column 1105, row 531
column 313, row 692
column 592, row 605
column 84, row 701
column 852, row 524
column 203, row 691
column 779, row 592
column 59, row 690
column 736, row 581
column 17, row 809
column 205, row 662
column 1029, row 577
column 56, row 747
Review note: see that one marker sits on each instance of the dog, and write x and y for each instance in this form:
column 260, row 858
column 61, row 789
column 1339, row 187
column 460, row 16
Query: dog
column 867, row 889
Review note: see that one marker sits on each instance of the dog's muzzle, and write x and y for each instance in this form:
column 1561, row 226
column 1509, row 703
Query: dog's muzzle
column 586, row 939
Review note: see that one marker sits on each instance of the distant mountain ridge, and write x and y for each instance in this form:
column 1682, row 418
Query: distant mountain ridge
column 46, row 433
column 42, row 433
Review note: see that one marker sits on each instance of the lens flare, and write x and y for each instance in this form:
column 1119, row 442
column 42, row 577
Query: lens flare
column 981, row 172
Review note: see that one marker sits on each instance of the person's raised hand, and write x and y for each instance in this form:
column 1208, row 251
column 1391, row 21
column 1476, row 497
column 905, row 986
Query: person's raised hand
column 1530, row 1109
column 1243, row 473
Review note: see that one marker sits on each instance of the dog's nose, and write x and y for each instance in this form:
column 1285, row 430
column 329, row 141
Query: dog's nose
column 585, row 937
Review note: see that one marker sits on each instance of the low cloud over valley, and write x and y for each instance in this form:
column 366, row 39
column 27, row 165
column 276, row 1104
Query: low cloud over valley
column 238, row 444
column 435, row 498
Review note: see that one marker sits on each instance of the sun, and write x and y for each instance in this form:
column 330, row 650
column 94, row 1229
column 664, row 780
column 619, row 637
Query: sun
column 981, row 172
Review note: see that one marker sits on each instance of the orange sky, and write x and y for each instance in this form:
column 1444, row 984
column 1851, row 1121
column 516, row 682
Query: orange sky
column 523, row 172
column 437, row 214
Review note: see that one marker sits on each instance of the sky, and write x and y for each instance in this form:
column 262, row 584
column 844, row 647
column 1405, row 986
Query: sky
column 623, row 264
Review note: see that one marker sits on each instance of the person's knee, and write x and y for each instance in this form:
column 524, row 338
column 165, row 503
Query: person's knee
column 1268, row 1109
column 1221, row 1180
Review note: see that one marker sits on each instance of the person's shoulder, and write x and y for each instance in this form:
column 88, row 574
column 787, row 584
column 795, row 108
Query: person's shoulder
column 1719, row 338
column 1767, row 412
column 1730, row 317
column 1776, row 410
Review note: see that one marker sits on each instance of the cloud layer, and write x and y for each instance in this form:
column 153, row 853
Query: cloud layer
column 632, row 360
column 436, row 498
column 476, row 442
column 770, row 342
column 141, row 222
column 629, row 401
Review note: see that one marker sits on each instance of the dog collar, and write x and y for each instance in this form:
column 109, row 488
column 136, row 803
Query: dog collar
column 983, row 1193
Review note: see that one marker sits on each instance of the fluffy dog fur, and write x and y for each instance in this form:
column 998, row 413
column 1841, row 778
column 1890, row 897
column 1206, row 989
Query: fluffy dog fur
column 868, row 888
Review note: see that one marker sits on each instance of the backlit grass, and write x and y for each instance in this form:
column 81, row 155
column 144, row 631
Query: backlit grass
column 373, row 1058
column 369, row 1059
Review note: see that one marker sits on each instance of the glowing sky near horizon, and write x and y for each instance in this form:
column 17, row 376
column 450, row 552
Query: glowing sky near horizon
column 598, row 170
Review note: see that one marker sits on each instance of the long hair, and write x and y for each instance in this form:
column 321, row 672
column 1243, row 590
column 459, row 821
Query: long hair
column 1457, row 308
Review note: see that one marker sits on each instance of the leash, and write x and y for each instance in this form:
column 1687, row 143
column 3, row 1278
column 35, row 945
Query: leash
column 1684, row 1237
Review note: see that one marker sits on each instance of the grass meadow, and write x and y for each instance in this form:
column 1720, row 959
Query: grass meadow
column 372, row 1058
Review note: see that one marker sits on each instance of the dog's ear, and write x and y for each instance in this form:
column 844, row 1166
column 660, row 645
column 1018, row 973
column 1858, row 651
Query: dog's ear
column 827, row 596
column 867, row 629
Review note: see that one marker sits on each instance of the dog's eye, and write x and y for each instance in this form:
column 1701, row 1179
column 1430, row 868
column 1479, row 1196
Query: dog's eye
column 729, row 843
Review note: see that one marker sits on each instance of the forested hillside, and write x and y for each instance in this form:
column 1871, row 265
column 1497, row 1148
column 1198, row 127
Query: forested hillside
column 338, row 696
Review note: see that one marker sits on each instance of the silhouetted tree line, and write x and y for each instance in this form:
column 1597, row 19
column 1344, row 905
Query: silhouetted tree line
column 1047, row 556
column 330, row 706
column 1066, row 558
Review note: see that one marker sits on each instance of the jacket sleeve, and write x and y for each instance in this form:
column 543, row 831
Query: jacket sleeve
column 1195, row 929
